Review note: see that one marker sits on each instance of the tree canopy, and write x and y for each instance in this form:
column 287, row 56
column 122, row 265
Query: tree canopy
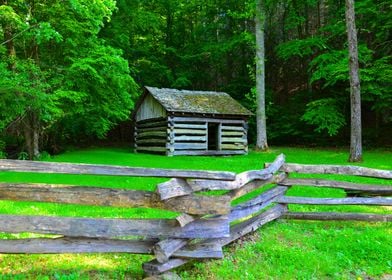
column 70, row 71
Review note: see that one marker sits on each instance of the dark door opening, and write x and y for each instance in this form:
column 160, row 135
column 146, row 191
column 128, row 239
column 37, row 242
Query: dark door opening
column 213, row 132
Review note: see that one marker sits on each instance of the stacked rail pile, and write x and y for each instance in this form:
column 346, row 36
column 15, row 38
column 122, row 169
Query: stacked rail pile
column 201, row 229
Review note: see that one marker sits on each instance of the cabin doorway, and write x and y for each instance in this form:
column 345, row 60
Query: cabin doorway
column 213, row 136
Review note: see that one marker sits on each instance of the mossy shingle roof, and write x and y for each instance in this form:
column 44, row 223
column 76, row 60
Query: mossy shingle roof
column 202, row 102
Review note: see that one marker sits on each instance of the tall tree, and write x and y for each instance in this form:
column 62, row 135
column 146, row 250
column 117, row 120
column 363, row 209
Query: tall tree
column 355, row 87
column 62, row 78
column 261, row 141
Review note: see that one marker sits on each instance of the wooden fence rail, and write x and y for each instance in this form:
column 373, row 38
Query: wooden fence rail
column 364, row 194
column 205, row 223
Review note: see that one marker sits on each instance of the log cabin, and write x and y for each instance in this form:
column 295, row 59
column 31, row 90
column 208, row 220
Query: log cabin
column 184, row 122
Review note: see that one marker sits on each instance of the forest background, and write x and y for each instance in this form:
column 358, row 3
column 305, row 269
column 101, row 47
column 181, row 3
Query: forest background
column 71, row 71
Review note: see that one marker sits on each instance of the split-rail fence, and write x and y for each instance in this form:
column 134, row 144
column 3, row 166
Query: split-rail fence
column 205, row 223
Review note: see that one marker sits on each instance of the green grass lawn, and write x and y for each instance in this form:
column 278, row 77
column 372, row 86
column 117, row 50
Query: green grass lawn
column 279, row 250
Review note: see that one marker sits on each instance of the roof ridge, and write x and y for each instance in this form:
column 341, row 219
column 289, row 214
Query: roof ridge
column 197, row 101
column 188, row 90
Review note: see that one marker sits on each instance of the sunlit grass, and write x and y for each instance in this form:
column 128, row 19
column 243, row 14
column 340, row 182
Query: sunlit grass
column 280, row 250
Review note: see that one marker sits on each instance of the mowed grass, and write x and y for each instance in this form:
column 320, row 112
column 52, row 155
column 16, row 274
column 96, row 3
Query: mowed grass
column 279, row 250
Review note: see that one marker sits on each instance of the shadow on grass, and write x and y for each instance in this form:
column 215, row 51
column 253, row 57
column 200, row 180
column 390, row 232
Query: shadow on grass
column 72, row 266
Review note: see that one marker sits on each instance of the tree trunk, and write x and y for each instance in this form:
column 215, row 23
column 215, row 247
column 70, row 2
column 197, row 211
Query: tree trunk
column 355, row 88
column 31, row 133
column 36, row 152
column 322, row 13
column 261, row 143
column 28, row 140
column 10, row 48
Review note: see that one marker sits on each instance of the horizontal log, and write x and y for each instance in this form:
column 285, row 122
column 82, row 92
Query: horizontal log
column 151, row 141
column 190, row 131
column 112, row 228
column 152, row 124
column 190, row 126
column 210, row 120
column 67, row 245
column 232, row 133
column 209, row 153
column 190, row 146
column 77, row 195
column 233, row 147
column 151, row 149
column 337, row 169
column 149, row 121
column 185, row 138
column 335, row 201
column 200, row 251
column 241, row 180
column 232, row 128
column 151, row 134
column 196, row 205
column 256, row 204
column 200, row 204
column 149, row 129
column 234, row 140
column 95, row 169
column 382, row 190
column 75, row 245
column 334, row 216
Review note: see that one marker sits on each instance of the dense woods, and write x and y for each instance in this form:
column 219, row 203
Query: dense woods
column 71, row 71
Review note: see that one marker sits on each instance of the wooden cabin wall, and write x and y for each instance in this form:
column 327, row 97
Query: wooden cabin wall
column 189, row 136
column 151, row 135
column 234, row 137
column 150, row 109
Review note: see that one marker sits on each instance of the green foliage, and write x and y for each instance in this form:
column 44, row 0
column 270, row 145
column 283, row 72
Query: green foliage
column 10, row 18
column 25, row 89
column 377, row 77
column 330, row 67
column 100, row 85
column 10, row 108
column 319, row 57
column 325, row 114
column 63, row 79
column 301, row 48
column 23, row 156
column 45, row 33
column 89, row 58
